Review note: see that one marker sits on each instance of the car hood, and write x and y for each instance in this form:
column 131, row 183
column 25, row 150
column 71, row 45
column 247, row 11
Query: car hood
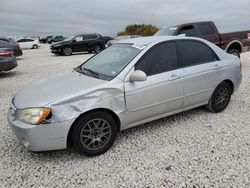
column 47, row 91
column 113, row 41
column 61, row 42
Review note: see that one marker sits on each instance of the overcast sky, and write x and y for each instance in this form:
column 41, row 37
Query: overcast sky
column 69, row 17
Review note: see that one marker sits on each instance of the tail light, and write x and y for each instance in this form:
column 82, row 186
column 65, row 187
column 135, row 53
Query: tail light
column 18, row 46
column 5, row 54
column 248, row 36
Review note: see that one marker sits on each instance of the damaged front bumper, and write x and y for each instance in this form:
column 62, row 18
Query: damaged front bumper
column 44, row 137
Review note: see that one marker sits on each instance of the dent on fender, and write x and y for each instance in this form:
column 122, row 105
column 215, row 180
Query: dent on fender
column 74, row 105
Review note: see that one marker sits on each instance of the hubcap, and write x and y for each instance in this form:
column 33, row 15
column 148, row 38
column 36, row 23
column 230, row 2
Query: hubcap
column 67, row 51
column 97, row 49
column 95, row 134
column 222, row 97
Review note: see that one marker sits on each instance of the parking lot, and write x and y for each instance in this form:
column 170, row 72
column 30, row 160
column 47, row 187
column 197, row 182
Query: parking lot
column 191, row 149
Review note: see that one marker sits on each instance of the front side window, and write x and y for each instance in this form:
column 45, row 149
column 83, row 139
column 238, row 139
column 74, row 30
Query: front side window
column 111, row 61
column 159, row 59
column 78, row 38
column 90, row 37
column 195, row 53
column 188, row 31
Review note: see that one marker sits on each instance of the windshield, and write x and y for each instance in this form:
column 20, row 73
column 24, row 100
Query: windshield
column 110, row 62
column 70, row 38
column 166, row 32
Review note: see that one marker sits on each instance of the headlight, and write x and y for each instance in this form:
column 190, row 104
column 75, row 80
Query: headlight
column 34, row 116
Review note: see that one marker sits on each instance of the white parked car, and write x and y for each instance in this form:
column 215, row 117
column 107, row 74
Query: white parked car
column 28, row 43
column 131, row 82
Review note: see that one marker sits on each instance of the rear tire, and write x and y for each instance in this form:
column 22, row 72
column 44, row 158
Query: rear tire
column 220, row 98
column 234, row 52
column 94, row 133
column 97, row 49
column 66, row 51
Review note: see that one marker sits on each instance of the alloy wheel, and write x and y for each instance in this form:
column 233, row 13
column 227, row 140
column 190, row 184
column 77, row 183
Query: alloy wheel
column 222, row 97
column 67, row 51
column 95, row 134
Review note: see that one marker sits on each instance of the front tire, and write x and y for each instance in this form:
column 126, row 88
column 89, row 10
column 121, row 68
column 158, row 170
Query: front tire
column 234, row 52
column 94, row 133
column 35, row 46
column 220, row 98
column 66, row 51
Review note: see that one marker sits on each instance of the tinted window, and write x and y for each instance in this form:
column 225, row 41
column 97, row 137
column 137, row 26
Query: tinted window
column 21, row 40
column 29, row 40
column 195, row 52
column 206, row 28
column 4, row 40
column 159, row 59
column 88, row 37
column 188, row 30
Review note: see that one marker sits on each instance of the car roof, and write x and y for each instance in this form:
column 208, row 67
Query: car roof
column 152, row 39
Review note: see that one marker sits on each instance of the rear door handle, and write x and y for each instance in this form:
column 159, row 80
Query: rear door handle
column 174, row 77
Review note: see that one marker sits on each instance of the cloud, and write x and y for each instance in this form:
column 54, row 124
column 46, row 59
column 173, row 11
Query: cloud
column 29, row 17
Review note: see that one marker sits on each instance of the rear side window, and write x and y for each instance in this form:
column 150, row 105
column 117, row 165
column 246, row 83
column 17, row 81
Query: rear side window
column 206, row 28
column 159, row 59
column 188, row 31
column 195, row 53
column 5, row 40
column 89, row 37
column 21, row 40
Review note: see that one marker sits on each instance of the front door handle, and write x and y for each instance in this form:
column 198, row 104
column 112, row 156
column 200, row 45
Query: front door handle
column 216, row 66
column 174, row 77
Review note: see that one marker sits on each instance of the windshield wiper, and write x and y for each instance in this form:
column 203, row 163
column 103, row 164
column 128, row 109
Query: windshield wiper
column 92, row 72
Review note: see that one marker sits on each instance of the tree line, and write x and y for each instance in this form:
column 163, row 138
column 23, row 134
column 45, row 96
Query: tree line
column 139, row 29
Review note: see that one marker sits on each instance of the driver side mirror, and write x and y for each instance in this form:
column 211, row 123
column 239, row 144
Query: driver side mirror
column 137, row 76
column 74, row 41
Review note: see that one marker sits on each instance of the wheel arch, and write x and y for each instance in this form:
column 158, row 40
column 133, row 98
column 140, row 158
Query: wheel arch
column 99, row 44
column 235, row 44
column 113, row 114
column 230, row 83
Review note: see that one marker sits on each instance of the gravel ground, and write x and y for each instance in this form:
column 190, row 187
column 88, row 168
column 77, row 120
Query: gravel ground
column 190, row 149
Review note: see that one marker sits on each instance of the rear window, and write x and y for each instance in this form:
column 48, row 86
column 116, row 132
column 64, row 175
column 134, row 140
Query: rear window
column 206, row 29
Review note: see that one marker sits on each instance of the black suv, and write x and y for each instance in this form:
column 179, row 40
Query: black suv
column 79, row 43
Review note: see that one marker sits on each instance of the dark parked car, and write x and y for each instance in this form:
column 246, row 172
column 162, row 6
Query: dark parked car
column 56, row 39
column 107, row 38
column 7, row 59
column 233, row 43
column 14, row 46
column 45, row 39
column 8, row 40
column 79, row 43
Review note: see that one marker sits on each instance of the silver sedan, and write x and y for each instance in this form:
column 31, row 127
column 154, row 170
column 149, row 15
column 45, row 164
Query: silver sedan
column 130, row 83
